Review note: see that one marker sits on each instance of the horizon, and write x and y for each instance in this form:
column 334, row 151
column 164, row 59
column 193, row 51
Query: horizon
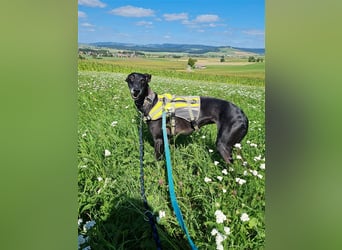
column 239, row 23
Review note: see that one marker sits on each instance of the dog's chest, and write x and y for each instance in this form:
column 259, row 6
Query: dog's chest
column 185, row 107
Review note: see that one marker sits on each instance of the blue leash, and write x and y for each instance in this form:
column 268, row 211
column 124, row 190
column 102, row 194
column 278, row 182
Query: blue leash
column 171, row 185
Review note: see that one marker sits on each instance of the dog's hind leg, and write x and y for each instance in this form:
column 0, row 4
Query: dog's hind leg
column 227, row 137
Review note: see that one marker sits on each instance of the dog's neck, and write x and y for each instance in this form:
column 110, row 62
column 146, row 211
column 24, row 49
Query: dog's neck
column 146, row 103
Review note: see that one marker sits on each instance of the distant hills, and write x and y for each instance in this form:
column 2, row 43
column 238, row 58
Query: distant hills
column 174, row 48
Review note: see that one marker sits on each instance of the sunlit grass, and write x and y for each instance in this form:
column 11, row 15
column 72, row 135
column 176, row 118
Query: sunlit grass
column 108, row 163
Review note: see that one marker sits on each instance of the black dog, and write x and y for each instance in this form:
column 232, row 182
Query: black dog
column 232, row 123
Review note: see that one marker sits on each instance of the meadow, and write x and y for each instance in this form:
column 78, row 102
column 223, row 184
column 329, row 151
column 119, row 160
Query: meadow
column 223, row 206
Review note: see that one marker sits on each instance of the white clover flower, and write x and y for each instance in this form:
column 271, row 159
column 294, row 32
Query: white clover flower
column 207, row 179
column 226, row 230
column 107, row 153
column 99, row 178
column 245, row 163
column 239, row 157
column 79, row 221
column 203, row 137
column 219, row 178
column 245, row 173
column 224, row 171
column 220, row 217
column 214, row 232
column 254, row 145
column 254, row 172
column 231, row 169
column 240, row 181
column 210, row 150
column 216, row 163
column 224, row 190
column 248, row 142
column 260, row 176
column 237, row 145
column 162, row 214
column 88, row 225
column 262, row 166
column 257, row 158
column 84, row 135
column 244, row 217
column 114, row 123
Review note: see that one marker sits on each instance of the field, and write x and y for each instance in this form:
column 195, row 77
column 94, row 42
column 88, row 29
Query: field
column 223, row 206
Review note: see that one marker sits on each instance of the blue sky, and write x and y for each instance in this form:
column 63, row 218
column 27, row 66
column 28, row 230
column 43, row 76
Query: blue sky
column 237, row 23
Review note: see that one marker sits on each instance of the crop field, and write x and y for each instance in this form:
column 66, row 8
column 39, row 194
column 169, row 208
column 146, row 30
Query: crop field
column 223, row 206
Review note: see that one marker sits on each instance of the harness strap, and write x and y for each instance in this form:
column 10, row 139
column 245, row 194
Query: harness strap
column 173, row 198
column 192, row 118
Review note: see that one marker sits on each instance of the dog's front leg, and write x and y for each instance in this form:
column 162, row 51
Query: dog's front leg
column 158, row 148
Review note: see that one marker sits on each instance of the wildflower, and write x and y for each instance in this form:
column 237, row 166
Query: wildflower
column 262, row 166
column 227, row 230
column 83, row 166
column 84, row 135
column 210, row 150
column 203, row 137
column 239, row 157
column 79, row 222
column 107, row 153
column 245, row 163
column 207, row 179
column 224, row 171
column 240, row 181
column 231, row 169
column 114, row 123
column 254, row 145
column 216, row 163
column 162, row 214
column 237, row 145
column 220, row 217
column 254, row 172
column 248, row 142
column 219, row 178
column 260, row 176
column 89, row 225
column 244, row 217
column 99, row 178
column 224, row 190
column 257, row 158
column 245, row 173
column 214, row 232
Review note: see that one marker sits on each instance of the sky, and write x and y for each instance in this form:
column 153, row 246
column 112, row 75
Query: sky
column 237, row 23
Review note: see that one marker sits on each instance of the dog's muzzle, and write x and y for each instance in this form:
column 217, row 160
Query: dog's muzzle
column 135, row 93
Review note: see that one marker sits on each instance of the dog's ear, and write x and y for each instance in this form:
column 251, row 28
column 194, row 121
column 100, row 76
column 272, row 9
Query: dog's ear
column 130, row 78
column 148, row 77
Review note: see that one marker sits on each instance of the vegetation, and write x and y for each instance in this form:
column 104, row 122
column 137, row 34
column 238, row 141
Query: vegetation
column 222, row 205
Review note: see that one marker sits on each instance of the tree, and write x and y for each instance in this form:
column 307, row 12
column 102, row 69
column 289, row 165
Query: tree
column 251, row 59
column 191, row 62
column 222, row 59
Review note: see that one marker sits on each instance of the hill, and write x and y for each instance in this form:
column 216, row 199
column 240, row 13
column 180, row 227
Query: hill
column 175, row 48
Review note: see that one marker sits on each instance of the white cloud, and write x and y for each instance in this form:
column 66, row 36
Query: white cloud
column 146, row 24
column 254, row 32
column 92, row 3
column 176, row 17
column 87, row 25
column 82, row 14
column 206, row 18
column 131, row 11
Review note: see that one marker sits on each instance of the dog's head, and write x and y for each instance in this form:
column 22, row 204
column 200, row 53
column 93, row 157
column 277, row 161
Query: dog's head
column 138, row 84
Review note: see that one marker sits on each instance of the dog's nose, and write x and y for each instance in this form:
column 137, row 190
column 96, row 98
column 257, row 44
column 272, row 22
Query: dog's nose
column 135, row 92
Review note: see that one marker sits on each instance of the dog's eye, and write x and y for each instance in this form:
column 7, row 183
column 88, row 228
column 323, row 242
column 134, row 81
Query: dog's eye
column 142, row 81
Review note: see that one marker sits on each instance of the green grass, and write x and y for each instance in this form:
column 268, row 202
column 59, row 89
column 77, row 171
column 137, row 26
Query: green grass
column 252, row 75
column 109, row 187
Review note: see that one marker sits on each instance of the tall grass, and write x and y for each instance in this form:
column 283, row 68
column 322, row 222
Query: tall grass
column 109, row 187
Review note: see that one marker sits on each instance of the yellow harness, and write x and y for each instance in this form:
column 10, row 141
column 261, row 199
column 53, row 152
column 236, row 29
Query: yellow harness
column 185, row 107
